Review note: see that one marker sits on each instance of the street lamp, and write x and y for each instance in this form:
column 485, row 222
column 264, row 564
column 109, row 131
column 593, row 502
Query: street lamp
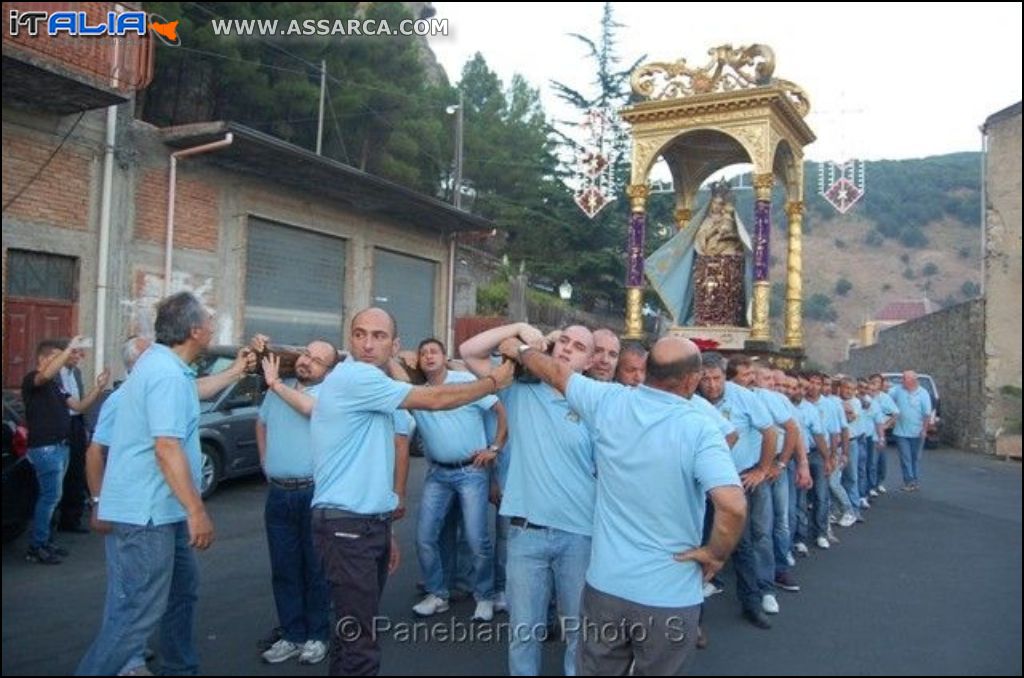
column 456, row 110
column 565, row 291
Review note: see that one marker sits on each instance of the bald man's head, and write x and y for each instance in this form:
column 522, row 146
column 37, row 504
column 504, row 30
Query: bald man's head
column 373, row 337
column 674, row 365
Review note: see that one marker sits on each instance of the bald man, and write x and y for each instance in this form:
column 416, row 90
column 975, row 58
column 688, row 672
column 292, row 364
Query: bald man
column 915, row 412
column 657, row 458
column 353, row 435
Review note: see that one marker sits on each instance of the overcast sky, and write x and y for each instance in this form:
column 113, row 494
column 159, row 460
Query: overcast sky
column 885, row 81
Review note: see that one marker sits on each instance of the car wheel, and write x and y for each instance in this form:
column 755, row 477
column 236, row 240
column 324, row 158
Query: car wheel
column 210, row 471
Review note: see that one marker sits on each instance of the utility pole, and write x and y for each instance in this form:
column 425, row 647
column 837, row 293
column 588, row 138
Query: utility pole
column 457, row 188
column 323, row 90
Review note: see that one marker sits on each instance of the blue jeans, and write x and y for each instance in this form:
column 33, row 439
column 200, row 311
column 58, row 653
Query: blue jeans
column 501, row 528
column 442, row 486
column 782, row 536
column 864, row 474
column 747, row 559
column 50, row 462
column 456, row 557
column 155, row 581
column 762, row 523
column 819, row 491
column 300, row 588
column 536, row 558
column 910, row 455
column 110, row 547
column 851, row 482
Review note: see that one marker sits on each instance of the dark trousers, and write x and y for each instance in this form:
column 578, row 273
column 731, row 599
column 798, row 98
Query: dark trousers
column 72, row 502
column 355, row 553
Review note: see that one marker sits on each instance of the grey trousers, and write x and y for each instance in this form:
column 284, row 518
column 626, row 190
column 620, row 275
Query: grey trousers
column 616, row 634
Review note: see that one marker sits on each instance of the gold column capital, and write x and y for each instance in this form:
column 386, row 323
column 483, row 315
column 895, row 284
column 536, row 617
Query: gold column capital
column 638, row 194
column 795, row 208
column 682, row 217
column 634, row 313
column 763, row 184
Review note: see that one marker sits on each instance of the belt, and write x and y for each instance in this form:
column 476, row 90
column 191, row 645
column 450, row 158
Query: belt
column 453, row 465
column 292, row 483
column 328, row 513
column 526, row 524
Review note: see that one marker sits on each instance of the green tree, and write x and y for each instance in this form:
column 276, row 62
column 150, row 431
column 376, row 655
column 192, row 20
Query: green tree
column 843, row 286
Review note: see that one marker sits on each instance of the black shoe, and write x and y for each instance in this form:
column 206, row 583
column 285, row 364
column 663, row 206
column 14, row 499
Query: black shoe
column 757, row 618
column 59, row 550
column 74, row 529
column 42, row 555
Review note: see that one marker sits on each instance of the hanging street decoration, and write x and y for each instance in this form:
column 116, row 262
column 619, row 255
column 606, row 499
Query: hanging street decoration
column 842, row 185
column 594, row 160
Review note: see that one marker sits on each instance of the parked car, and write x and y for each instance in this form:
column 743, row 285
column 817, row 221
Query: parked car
column 227, row 423
column 19, row 478
column 931, row 441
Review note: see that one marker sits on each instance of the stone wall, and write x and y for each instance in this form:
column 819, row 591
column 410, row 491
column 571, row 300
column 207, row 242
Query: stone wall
column 950, row 346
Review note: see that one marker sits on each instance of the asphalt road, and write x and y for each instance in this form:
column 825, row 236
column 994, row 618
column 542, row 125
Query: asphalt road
column 930, row 584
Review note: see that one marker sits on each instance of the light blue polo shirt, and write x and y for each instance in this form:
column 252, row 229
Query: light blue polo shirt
column 551, row 467
column 159, row 400
column 289, row 445
column 353, row 431
column 453, row 436
column 836, row 403
column 657, row 457
column 828, row 417
column 404, row 423
column 779, row 409
column 104, row 431
column 811, row 424
column 886, row 404
column 857, row 425
column 746, row 412
column 710, row 411
column 914, row 406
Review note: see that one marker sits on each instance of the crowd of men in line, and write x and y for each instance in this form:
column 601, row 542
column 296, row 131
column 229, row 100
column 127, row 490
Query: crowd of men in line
column 624, row 479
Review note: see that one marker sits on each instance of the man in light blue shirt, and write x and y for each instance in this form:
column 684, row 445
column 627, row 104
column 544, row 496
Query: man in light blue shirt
column 286, row 455
column 353, row 435
column 460, row 455
column 752, row 456
column 151, row 496
column 548, row 494
column 888, row 412
column 915, row 412
column 657, row 458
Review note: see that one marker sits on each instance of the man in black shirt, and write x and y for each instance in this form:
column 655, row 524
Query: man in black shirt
column 49, row 425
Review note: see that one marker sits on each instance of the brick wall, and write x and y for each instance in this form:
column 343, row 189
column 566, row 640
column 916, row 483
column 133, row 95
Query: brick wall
column 60, row 195
column 196, row 210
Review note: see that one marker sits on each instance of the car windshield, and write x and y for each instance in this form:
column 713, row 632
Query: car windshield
column 207, row 365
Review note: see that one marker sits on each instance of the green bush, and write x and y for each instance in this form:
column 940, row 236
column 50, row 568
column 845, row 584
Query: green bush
column 843, row 286
column 930, row 269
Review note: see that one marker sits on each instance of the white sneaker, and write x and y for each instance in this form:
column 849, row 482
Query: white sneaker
column 847, row 520
column 711, row 589
column 484, row 610
column 281, row 651
column 832, row 519
column 864, row 503
column 769, row 604
column 313, row 652
column 500, row 602
column 822, row 543
column 790, row 560
column 801, row 548
column 881, row 489
column 430, row 606
column 872, row 493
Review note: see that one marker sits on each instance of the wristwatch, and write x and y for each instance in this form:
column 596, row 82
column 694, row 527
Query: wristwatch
column 493, row 448
column 94, row 501
column 523, row 348
column 780, row 464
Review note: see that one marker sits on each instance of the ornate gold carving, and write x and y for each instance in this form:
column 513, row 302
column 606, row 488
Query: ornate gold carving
column 634, row 313
column 794, row 336
column 763, row 184
column 682, row 217
column 638, row 194
column 728, row 70
column 759, row 330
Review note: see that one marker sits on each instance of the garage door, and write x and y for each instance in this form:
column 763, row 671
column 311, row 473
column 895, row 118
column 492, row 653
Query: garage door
column 294, row 284
column 404, row 286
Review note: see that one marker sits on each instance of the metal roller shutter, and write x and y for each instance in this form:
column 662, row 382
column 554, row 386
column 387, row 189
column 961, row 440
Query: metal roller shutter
column 404, row 286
